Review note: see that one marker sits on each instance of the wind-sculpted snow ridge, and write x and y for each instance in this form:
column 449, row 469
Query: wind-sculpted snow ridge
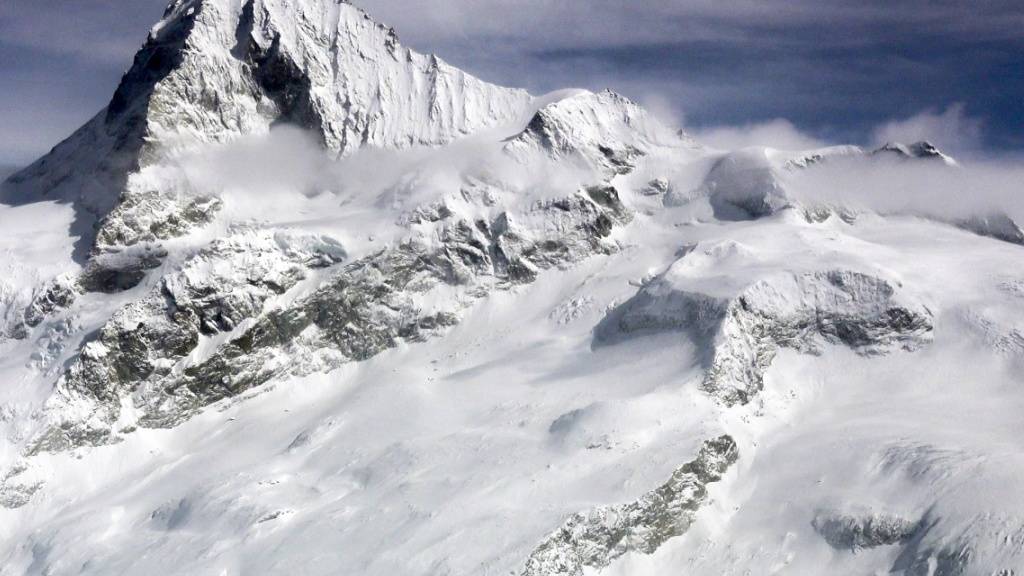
column 603, row 131
column 214, row 70
column 919, row 150
column 823, row 155
column 147, row 354
column 747, row 323
column 593, row 539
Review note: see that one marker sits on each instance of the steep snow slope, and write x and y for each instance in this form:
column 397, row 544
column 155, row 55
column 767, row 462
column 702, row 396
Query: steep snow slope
column 447, row 328
column 214, row 70
column 462, row 454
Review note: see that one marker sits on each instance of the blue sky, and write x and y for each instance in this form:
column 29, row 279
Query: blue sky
column 811, row 71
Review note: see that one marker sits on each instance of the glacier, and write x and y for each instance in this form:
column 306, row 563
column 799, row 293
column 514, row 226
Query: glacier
column 303, row 300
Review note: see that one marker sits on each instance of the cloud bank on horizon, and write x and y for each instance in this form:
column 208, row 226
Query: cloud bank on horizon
column 790, row 73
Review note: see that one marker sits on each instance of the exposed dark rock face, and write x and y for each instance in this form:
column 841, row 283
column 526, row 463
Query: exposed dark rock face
column 849, row 308
column 656, row 187
column 277, row 74
column 57, row 295
column 152, row 216
column 845, row 532
column 108, row 274
column 998, row 226
column 595, row 538
column 162, row 53
column 115, row 273
column 621, row 159
column 745, row 332
column 919, row 553
column 217, row 290
column 374, row 303
column 143, row 352
column 15, row 493
column 215, row 71
column 91, row 169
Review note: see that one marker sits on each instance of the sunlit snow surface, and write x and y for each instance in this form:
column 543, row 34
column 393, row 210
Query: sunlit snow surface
column 445, row 457
column 852, row 322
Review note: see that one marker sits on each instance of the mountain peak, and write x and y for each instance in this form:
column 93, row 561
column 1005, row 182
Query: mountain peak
column 224, row 68
column 212, row 71
column 604, row 130
column 919, row 150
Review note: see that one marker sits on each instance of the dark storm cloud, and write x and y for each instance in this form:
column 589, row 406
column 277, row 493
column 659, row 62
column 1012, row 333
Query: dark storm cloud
column 834, row 68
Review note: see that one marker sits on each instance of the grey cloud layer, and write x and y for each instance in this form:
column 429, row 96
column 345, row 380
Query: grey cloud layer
column 91, row 31
column 833, row 68
column 551, row 24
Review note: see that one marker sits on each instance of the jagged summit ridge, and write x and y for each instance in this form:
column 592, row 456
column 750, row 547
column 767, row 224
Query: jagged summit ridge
column 214, row 70
column 923, row 150
column 236, row 67
column 604, row 131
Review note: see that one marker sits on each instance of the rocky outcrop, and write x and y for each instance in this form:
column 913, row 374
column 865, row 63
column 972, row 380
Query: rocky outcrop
column 56, row 295
column 145, row 355
column 220, row 288
column 603, row 131
column 919, row 151
column 856, row 532
column 214, row 70
column 153, row 215
column 107, row 274
column 745, row 328
column 14, row 491
column 928, row 546
column 594, row 539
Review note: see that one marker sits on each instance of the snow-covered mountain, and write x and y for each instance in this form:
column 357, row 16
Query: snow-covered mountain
column 301, row 300
column 214, row 71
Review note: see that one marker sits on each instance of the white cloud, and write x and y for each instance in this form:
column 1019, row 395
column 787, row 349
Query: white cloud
column 924, row 188
column 663, row 109
column 778, row 133
column 951, row 130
